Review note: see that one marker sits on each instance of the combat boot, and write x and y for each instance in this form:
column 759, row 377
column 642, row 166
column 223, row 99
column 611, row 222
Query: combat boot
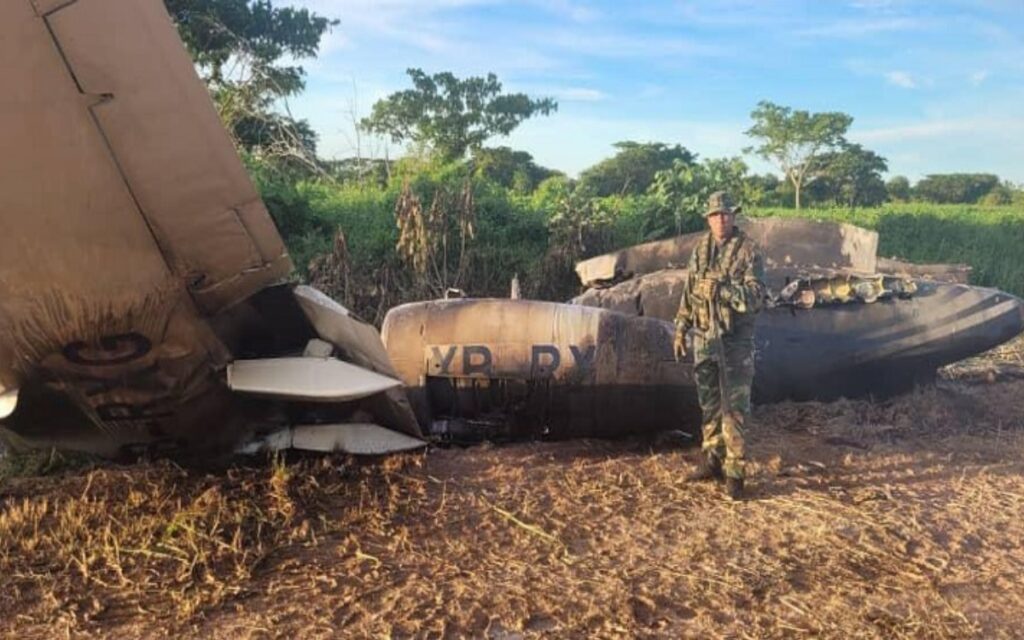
column 709, row 467
column 734, row 488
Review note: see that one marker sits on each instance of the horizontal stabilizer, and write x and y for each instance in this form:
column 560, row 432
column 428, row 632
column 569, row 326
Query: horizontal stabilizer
column 312, row 379
column 8, row 402
column 355, row 438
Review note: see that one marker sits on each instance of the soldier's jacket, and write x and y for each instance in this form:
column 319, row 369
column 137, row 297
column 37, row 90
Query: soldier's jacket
column 739, row 268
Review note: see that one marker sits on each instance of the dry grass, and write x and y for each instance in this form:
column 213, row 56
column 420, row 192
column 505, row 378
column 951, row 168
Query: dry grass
column 1005, row 361
column 896, row 519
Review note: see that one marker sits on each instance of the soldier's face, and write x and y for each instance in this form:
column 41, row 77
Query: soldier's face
column 720, row 223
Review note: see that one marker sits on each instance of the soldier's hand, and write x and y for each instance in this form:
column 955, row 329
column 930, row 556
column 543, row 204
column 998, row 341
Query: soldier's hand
column 707, row 288
column 679, row 344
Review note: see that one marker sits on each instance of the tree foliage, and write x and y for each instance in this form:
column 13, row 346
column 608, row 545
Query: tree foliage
column 795, row 140
column 850, row 177
column 1000, row 195
column 955, row 188
column 452, row 115
column 239, row 47
column 632, row 169
column 511, row 169
column 683, row 190
column 362, row 171
column 898, row 188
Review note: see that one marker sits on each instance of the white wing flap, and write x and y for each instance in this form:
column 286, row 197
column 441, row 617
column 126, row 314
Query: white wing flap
column 361, row 439
column 8, row 402
column 312, row 379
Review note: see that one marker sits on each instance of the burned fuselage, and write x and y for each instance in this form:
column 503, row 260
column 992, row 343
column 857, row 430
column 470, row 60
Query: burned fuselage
column 835, row 344
column 518, row 368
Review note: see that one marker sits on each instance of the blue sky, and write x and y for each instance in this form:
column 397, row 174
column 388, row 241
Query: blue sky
column 933, row 86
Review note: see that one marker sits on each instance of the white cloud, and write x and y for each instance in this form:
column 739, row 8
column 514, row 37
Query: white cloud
column 612, row 45
column 872, row 5
column 649, row 91
column 858, row 28
column 726, row 14
column 972, row 143
column 347, row 8
column 575, row 11
column 416, row 23
column 901, row 79
column 939, row 128
column 979, row 76
column 580, row 94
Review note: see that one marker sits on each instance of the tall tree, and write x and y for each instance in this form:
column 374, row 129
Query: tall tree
column 898, row 188
column 851, row 176
column 451, row 114
column 510, row 168
column 631, row 170
column 240, row 47
column 795, row 139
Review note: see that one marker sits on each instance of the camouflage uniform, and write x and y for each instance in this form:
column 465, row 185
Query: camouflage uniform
column 738, row 269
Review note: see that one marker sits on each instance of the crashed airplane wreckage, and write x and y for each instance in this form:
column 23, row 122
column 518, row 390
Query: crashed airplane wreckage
column 604, row 366
column 842, row 323
column 507, row 369
column 140, row 304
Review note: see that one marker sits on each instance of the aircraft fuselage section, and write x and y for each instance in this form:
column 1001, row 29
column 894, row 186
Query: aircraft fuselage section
column 548, row 369
column 510, row 360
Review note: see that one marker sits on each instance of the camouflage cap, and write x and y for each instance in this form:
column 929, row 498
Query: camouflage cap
column 721, row 201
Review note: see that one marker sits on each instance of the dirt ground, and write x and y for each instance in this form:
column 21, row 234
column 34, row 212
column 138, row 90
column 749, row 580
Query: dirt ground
column 901, row 518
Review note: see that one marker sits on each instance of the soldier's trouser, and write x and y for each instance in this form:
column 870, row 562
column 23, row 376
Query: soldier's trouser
column 723, row 429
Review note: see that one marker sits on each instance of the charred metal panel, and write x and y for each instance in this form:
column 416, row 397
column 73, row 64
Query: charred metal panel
column 637, row 260
column 949, row 273
column 783, row 241
column 799, row 242
column 856, row 349
column 655, row 295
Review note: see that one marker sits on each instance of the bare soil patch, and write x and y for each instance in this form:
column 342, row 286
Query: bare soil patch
column 902, row 518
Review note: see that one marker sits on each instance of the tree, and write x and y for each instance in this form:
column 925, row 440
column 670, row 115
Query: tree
column 511, row 169
column 631, row 170
column 955, row 188
column 1001, row 194
column 684, row 189
column 363, row 171
column 851, row 177
column 795, row 140
column 764, row 190
column 450, row 114
column 238, row 47
column 898, row 188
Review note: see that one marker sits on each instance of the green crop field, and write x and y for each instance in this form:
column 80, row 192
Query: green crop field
column 989, row 239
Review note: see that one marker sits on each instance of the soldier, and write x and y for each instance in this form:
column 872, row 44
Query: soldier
column 723, row 292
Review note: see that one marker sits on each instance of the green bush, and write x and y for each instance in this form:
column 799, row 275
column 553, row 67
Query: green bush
column 539, row 236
